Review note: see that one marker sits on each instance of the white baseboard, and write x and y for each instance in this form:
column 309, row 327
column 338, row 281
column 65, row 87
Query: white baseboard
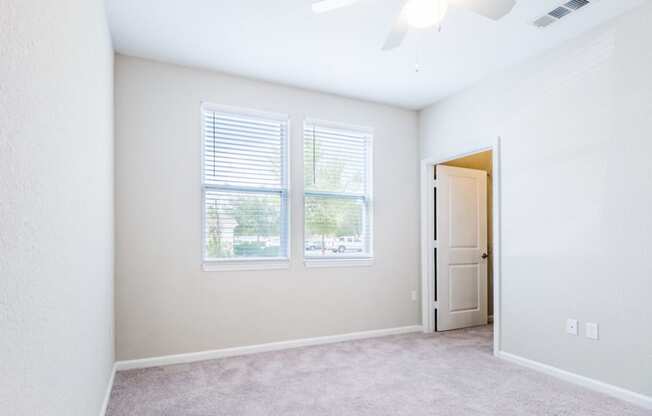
column 107, row 395
column 611, row 390
column 253, row 349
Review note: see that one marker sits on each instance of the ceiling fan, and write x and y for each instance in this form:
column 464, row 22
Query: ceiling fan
column 423, row 14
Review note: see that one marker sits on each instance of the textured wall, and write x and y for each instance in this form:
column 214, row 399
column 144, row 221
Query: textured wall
column 56, row 207
column 165, row 303
column 576, row 197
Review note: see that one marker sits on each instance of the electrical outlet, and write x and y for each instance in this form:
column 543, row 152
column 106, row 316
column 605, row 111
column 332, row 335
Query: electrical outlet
column 414, row 295
column 592, row 330
column 571, row 326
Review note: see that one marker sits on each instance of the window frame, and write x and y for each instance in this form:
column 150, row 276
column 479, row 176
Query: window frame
column 366, row 259
column 250, row 263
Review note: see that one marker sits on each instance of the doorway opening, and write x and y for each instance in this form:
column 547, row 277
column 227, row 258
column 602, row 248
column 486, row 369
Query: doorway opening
column 460, row 242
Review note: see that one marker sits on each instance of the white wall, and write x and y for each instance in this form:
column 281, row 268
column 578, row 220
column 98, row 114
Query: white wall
column 576, row 196
column 56, row 207
column 165, row 303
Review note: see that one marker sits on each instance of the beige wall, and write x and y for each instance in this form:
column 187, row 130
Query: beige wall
column 483, row 161
column 56, row 207
column 165, row 303
column 575, row 196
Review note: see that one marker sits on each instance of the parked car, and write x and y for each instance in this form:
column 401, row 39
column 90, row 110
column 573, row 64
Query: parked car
column 350, row 244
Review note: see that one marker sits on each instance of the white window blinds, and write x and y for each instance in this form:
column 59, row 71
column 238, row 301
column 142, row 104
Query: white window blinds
column 245, row 185
column 337, row 176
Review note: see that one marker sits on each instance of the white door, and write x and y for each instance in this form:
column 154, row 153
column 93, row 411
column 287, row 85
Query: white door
column 461, row 243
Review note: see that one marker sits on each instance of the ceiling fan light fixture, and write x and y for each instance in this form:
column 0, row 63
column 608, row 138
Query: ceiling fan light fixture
column 423, row 14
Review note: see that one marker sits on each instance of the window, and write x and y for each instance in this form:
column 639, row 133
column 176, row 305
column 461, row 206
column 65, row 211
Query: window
column 245, row 187
column 337, row 200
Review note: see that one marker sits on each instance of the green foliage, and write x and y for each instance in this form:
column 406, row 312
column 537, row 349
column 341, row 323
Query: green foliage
column 330, row 216
column 321, row 216
column 333, row 217
column 257, row 217
column 215, row 244
column 350, row 219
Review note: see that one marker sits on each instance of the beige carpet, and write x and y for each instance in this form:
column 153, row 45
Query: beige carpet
column 446, row 374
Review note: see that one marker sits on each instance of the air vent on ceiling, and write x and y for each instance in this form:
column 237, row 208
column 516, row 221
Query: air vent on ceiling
column 560, row 12
column 576, row 4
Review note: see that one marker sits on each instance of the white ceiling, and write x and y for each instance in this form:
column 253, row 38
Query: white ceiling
column 339, row 52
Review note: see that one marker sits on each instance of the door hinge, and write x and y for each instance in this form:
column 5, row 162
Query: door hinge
column 435, row 183
column 435, row 305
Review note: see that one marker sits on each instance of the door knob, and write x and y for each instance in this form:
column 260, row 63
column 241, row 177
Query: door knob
column 485, row 255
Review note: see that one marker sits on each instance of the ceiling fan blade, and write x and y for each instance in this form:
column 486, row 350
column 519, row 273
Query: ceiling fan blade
column 396, row 36
column 323, row 6
column 493, row 9
column 399, row 30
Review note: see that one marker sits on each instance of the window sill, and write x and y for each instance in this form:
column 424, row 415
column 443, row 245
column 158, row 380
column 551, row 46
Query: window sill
column 335, row 262
column 234, row 265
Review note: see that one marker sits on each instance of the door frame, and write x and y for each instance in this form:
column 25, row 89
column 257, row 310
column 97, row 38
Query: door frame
column 427, row 246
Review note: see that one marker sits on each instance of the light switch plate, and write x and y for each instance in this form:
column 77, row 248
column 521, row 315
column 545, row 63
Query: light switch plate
column 591, row 330
column 571, row 326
